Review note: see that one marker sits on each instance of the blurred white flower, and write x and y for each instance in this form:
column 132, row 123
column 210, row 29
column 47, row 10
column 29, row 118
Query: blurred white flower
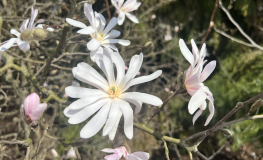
column 27, row 25
column 153, row 16
column 121, row 151
column 71, row 153
column 54, row 153
column 110, row 99
column 194, row 78
column 168, row 37
column 124, row 9
column 102, row 35
column 176, row 29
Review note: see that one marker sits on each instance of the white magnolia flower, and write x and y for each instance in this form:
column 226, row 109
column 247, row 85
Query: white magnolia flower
column 110, row 98
column 102, row 35
column 195, row 76
column 26, row 26
column 71, row 154
column 124, row 9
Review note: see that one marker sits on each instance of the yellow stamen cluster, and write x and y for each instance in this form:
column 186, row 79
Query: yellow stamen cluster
column 100, row 37
column 114, row 92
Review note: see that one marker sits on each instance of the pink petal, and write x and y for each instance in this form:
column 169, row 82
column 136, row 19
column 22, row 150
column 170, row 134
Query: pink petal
column 209, row 68
column 35, row 116
column 34, row 101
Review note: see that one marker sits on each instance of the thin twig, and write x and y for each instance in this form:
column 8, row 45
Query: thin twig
column 201, row 155
column 238, row 27
column 108, row 8
column 179, row 90
column 166, row 150
column 60, row 46
column 210, row 24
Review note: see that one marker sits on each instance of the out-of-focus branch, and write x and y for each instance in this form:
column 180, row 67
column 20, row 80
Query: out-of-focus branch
column 60, row 46
column 210, row 24
column 233, row 38
column 179, row 90
column 238, row 106
column 166, row 150
column 108, row 8
column 238, row 27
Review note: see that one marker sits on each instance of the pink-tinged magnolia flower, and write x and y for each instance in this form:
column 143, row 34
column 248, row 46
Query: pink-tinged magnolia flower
column 102, row 36
column 195, row 76
column 110, row 99
column 121, row 151
column 124, row 9
column 71, row 153
column 19, row 41
column 33, row 108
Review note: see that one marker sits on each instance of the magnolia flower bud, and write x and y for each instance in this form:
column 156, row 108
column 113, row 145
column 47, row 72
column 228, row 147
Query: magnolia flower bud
column 54, row 153
column 33, row 108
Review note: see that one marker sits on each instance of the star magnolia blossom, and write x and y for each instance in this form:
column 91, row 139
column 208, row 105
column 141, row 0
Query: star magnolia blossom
column 124, row 9
column 110, row 99
column 33, row 108
column 121, row 151
column 102, row 35
column 195, row 76
column 26, row 26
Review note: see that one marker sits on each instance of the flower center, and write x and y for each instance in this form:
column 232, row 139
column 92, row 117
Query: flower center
column 100, row 37
column 114, row 91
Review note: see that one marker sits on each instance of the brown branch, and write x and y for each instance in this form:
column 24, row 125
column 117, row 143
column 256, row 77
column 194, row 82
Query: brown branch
column 108, row 8
column 238, row 106
column 210, row 24
column 60, row 46
column 179, row 90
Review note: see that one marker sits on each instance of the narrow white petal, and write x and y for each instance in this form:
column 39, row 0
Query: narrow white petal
column 8, row 44
column 141, row 155
column 99, row 62
column 196, row 101
column 137, row 104
column 80, row 92
column 102, row 23
column 112, row 34
column 87, row 111
column 80, row 103
column 87, row 68
column 209, row 68
column 88, row 11
column 90, row 79
column 76, row 23
column 195, row 50
column 120, row 41
column 96, row 123
column 197, row 114
column 143, row 97
column 134, row 67
column 120, row 66
column 93, row 44
column 15, row 32
column 50, row 29
column 142, row 79
column 132, row 17
column 110, row 25
column 115, row 127
column 109, row 69
column 24, row 25
column 33, row 17
column 113, row 117
column 70, row 112
column 128, row 118
column 211, row 110
column 186, row 52
column 128, row 3
column 24, row 46
column 120, row 3
column 88, row 30
column 121, row 18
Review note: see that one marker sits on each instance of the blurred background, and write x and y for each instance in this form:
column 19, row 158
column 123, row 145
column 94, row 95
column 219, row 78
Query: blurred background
column 237, row 77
